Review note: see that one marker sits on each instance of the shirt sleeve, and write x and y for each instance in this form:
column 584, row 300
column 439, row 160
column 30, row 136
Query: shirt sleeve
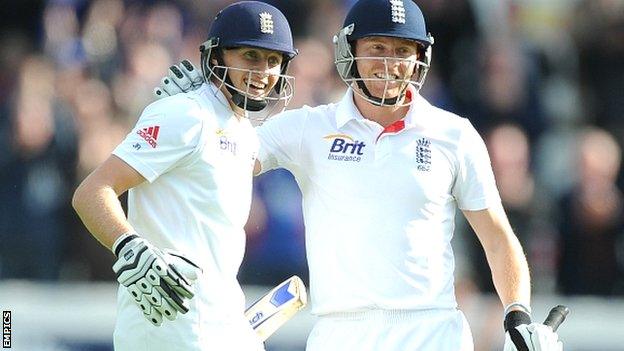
column 280, row 140
column 475, row 186
column 167, row 133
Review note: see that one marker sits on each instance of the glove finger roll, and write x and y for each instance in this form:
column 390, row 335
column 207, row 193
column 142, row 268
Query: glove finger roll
column 179, row 78
column 174, row 299
column 144, row 286
column 135, row 292
column 158, row 93
column 171, row 277
column 167, row 310
column 187, row 67
column 154, row 317
column 169, row 87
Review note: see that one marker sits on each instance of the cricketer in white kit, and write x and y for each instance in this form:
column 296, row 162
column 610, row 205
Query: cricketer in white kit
column 382, row 174
column 379, row 207
column 188, row 166
column 196, row 201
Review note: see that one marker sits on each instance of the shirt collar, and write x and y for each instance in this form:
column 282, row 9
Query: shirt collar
column 218, row 101
column 212, row 91
column 346, row 109
column 418, row 110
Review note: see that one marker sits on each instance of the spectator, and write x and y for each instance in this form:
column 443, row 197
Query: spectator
column 38, row 177
column 599, row 35
column 592, row 220
column 510, row 154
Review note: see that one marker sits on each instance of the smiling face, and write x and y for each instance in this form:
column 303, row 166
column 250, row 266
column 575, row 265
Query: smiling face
column 253, row 71
column 385, row 64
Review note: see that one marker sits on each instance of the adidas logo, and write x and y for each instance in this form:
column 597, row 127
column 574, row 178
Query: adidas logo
column 150, row 135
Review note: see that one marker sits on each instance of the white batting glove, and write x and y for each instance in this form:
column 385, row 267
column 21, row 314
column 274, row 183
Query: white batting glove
column 529, row 336
column 180, row 78
column 160, row 282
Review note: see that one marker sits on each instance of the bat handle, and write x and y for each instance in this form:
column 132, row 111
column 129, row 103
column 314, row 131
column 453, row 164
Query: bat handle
column 556, row 316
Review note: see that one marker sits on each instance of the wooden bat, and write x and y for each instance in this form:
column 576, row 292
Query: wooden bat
column 280, row 304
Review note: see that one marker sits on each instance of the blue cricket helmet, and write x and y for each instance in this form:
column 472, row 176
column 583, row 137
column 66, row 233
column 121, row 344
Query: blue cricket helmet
column 389, row 18
column 249, row 24
column 382, row 18
column 255, row 24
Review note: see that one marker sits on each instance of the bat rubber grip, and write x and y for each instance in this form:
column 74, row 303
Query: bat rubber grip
column 556, row 316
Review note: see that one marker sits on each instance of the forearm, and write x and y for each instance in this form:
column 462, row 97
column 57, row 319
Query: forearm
column 510, row 271
column 100, row 210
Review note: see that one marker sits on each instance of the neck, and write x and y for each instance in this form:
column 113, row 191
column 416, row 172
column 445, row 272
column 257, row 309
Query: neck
column 238, row 112
column 383, row 115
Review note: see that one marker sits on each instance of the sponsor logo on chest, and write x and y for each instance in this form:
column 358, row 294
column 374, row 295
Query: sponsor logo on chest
column 344, row 148
column 226, row 143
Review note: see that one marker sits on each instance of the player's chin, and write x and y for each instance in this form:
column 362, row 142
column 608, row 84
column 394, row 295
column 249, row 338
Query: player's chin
column 257, row 94
column 387, row 94
column 257, row 97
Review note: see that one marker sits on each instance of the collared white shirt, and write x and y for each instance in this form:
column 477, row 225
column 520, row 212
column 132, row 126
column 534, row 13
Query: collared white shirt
column 379, row 204
column 197, row 158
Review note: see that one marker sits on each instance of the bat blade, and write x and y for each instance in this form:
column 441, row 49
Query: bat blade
column 275, row 308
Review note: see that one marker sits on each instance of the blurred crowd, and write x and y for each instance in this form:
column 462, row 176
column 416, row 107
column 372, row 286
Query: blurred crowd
column 542, row 81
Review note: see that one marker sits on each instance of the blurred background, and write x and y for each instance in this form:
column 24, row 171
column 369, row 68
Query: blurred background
column 542, row 81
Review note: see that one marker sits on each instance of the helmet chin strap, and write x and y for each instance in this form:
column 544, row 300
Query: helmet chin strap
column 246, row 103
column 377, row 101
column 238, row 99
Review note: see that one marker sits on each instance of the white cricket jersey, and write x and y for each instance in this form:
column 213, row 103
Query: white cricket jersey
column 379, row 204
column 197, row 158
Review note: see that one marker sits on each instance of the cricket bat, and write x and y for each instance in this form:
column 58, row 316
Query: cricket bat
column 280, row 304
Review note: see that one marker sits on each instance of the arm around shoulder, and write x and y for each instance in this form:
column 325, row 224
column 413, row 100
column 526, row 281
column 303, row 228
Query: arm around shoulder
column 281, row 139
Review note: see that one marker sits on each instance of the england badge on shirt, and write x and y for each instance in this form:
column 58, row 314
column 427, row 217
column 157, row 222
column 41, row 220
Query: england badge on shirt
column 423, row 155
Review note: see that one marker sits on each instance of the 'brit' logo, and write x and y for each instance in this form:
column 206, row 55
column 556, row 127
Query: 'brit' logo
column 423, row 155
column 150, row 135
column 266, row 23
column 398, row 11
column 344, row 148
column 225, row 143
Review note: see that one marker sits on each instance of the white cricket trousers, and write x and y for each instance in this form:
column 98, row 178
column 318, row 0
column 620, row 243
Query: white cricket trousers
column 134, row 333
column 392, row 330
column 224, row 337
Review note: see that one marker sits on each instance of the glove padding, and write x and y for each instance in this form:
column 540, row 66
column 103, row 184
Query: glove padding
column 532, row 337
column 180, row 78
column 160, row 282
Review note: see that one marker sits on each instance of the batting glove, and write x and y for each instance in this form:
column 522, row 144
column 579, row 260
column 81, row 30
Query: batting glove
column 160, row 282
column 523, row 335
column 180, row 78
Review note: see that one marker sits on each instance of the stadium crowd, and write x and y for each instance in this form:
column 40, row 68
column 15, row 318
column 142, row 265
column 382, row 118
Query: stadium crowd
column 542, row 81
